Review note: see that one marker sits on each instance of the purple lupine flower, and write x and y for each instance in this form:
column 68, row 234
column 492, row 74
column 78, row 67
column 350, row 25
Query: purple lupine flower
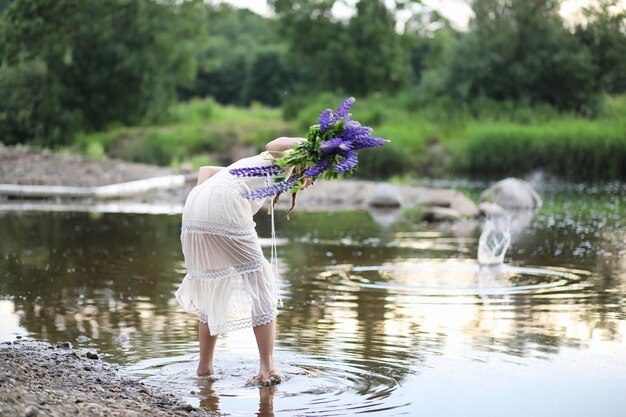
column 338, row 153
column 350, row 124
column 346, row 146
column 347, row 164
column 343, row 109
column 367, row 142
column 355, row 133
column 325, row 120
column 333, row 145
column 264, row 171
column 271, row 190
column 318, row 168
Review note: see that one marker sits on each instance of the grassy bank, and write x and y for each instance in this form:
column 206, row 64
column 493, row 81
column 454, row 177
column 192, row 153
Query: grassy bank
column 436, row 139
column 565, row 146
column 574, row 149
column 200, row 132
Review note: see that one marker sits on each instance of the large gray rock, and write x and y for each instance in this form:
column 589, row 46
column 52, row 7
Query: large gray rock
column 463, row 205
column 441, row 214
column 430, row 197
column 385, row 195
column 512, row 193
column 490, row 209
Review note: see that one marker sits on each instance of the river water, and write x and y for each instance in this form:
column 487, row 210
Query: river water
column 379, row 318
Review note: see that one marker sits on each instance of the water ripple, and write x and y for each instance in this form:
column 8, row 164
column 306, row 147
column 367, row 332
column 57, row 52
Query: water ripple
column 311, row 386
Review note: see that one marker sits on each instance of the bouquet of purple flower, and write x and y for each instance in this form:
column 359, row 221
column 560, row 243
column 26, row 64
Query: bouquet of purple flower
column 329, row 151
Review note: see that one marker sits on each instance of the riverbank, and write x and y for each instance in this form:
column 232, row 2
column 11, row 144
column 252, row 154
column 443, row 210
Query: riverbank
column 39, row 379
column 25, row 166
column 22, row 166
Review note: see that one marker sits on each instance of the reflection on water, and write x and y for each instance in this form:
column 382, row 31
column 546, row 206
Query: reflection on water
column 380, row 317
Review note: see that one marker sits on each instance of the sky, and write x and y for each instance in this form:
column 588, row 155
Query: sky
column 457, row 11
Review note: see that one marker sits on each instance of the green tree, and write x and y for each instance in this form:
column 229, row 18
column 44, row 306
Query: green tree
column 604, row 34
column 317, row 41
column 520, row 51
column 4, row 4
column 245, row 60
column 31, row 108
column 359, row 56
column 101, row 62
column 271, row 76
column 374, row 58
column 428, row 38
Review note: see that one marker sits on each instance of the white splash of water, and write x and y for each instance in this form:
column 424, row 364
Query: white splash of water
column 494, row 240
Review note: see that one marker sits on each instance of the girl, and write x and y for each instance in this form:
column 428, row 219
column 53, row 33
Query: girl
column 229, row 283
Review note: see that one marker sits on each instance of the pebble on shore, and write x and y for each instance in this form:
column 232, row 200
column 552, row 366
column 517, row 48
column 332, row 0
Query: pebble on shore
column 39, row 379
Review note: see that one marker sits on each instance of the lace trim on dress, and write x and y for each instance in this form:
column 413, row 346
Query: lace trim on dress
column 194, row 227
column 244, row 268
column 253, row 321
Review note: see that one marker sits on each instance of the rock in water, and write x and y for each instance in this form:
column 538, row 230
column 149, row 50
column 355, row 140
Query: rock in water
column 490, row 209
column 385, row 195
column 441, row 214
column 512, row 193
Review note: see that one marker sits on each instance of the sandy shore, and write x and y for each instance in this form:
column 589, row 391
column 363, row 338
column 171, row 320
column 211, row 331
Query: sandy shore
column 38, row 379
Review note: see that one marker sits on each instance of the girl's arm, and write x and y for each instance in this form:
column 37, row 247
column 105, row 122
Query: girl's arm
column 280, row 145
column 206, row 172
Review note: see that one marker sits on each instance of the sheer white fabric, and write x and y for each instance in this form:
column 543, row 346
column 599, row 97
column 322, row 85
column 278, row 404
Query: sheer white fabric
column 229, row 283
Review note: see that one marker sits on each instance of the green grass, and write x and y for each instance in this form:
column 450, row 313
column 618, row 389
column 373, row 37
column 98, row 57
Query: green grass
column 567, row 146
column 197, row 130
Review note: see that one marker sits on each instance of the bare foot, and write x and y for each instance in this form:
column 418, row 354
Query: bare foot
column 269, row 378
column 204, row 370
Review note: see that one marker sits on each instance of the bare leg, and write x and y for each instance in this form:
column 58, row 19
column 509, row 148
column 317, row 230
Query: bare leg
column 265, row 342
column 207, row 347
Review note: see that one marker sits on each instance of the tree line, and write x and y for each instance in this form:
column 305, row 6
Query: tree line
column 85, row 65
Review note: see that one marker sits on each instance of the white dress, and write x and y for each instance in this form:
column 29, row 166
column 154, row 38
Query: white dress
column 229, row 283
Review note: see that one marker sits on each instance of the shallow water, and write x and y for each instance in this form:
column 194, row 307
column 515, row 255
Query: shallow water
column 379, row 319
